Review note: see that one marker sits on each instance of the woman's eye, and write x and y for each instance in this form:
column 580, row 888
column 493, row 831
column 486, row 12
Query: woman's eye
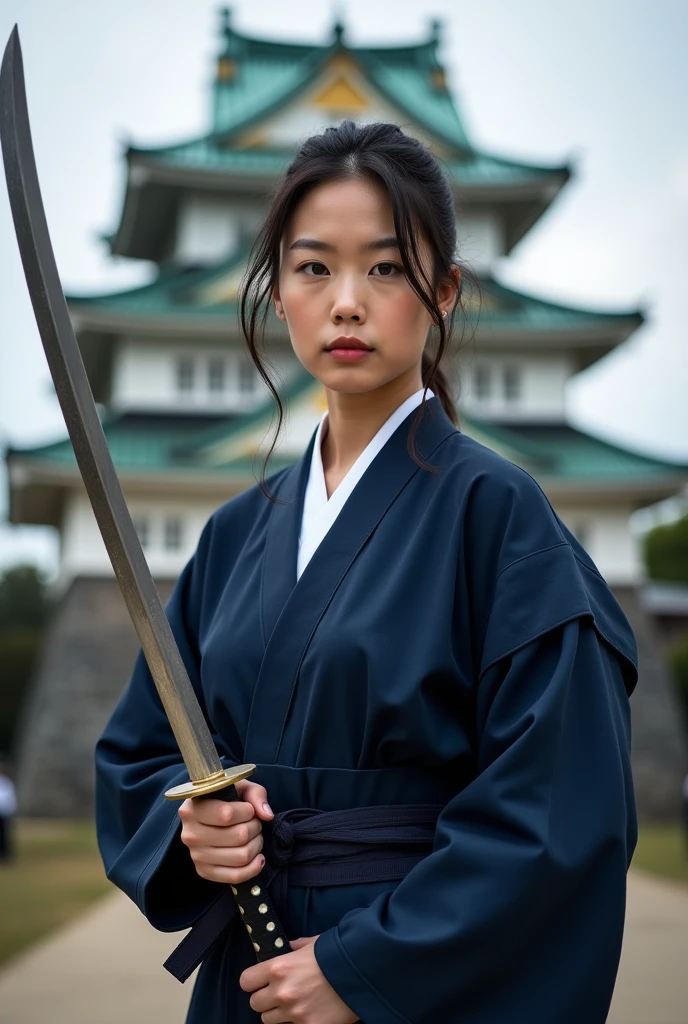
column 386, row 269
column 319, row 269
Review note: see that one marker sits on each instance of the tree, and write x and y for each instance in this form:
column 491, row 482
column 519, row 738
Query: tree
column 24, row 609
column 678, row 660
column 666, row 551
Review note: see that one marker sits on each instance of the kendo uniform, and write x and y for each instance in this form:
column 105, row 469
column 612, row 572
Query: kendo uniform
column 439, row 677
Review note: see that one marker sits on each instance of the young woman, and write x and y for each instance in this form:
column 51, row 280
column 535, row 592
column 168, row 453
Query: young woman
column 408, row 642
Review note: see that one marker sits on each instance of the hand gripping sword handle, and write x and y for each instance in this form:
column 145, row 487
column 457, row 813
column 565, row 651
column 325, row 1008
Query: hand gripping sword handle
column 256, row 909
column 260, row 920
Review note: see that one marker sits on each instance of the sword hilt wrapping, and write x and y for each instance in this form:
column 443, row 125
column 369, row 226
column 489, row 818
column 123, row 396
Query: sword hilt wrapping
column 264, row 929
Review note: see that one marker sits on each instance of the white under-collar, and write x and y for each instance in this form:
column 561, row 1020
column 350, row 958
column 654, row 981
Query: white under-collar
column 319, row 512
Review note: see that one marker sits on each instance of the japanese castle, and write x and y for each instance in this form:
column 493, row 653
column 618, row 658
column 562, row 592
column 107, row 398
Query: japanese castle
column 186, row 415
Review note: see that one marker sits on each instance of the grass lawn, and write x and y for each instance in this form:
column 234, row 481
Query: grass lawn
column 662, row 850
column 56, row 872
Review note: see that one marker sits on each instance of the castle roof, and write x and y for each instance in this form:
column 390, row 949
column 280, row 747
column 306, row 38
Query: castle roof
column 566, row 460
column 259, row 79
column 202, row 303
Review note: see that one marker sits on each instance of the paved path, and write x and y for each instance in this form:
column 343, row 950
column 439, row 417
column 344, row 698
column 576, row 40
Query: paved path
column 105, row 968
column 652, row 987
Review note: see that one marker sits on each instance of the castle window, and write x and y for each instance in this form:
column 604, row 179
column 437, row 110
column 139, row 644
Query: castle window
column 247, row 378
column 142, row 527
column 216, row 376
column 482, row 381
column 512, row 383
column 173, row 533
column 185, row 374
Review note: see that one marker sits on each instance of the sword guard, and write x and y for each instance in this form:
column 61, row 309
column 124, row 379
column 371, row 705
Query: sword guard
column 212, row 783
column 258, row 916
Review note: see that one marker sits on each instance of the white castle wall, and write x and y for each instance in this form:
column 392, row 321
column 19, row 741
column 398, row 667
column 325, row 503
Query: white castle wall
column 210, row 228
column 168, row 528
column 147, row 374
column 519, row 387
column 480, row 238
column 606, row 535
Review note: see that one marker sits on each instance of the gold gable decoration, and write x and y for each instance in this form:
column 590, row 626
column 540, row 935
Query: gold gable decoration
column 222, row 291
column 341, row 95
column 226, row 69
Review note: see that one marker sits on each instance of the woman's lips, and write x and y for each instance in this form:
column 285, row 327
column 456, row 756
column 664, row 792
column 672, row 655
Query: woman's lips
column 349, row 355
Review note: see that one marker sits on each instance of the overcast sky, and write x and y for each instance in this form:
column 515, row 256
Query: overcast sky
column 602, row 83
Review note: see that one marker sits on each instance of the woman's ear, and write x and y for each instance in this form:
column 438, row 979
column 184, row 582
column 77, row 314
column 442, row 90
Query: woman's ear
column 279, row 309
column 449, row 290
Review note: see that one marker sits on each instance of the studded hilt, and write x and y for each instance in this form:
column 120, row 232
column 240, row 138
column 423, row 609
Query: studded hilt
column 255, row 907
column 260, row 920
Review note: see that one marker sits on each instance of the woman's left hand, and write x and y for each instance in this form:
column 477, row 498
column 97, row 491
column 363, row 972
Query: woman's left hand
column 293, row 988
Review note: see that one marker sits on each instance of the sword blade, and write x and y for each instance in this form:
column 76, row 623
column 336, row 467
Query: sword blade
column 86, row 434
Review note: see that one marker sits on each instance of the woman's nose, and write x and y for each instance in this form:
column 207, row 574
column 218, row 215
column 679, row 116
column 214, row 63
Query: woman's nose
column 348, row 305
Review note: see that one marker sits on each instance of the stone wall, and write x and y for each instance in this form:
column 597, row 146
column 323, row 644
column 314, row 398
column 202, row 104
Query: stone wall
column 87, row 658
column 660, row 757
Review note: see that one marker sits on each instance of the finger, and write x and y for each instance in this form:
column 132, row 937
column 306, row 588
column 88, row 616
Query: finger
column 299, row 943
column 277, row 1016
column 217, row 813
column 230, row 876
column 227, row 856
column 255, row 977
column 257, row 796
column 237, row 856
column 195, row 835
column 263, row 1000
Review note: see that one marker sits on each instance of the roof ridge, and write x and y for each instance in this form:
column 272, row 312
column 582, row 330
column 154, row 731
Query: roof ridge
column 337, row 38
column 509, row 291
column 190, row 277
column 223, row 432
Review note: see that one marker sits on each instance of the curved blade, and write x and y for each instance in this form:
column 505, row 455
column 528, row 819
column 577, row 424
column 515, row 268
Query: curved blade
column 90, row 447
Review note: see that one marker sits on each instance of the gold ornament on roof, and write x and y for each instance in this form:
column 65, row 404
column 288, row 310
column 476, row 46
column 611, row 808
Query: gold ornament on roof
column 341, row 95
column 226, row 69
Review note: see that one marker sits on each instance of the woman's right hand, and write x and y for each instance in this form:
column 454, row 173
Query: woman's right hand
column 225, row 839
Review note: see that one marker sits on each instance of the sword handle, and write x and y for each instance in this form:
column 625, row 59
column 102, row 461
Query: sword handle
column 255, row 906
column 265, row 931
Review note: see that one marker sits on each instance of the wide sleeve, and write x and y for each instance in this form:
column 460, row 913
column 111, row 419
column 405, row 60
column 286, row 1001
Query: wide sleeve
column 137, row 759
column 518, row 911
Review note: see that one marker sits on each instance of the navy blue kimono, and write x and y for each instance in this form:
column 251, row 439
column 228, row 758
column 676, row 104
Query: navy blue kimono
column 449, row 643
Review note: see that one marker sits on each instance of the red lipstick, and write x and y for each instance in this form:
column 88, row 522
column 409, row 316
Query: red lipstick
column 347, row 349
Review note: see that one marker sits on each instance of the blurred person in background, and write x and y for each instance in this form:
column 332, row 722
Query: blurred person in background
column 8, row 809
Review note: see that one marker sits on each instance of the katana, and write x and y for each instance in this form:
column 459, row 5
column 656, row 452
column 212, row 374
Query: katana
column 95, row 464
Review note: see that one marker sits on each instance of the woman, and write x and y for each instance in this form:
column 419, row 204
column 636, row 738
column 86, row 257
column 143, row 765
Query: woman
column 398, row 629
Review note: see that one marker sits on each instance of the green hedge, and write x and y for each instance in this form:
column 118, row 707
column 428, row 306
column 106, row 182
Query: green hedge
column 678, row 661
column 18, row 652
column 666, row 552
column 24, row 609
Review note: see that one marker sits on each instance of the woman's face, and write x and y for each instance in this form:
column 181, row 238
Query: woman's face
column 341, row 277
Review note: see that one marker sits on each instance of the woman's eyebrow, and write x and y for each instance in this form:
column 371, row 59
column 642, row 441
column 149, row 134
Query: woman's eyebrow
column 388, row 242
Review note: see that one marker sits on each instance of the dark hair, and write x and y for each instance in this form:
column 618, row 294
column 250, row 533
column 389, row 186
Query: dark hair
column 422, row 204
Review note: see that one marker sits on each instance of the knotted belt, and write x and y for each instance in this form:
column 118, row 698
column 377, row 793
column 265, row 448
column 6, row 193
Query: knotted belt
column 312, row 848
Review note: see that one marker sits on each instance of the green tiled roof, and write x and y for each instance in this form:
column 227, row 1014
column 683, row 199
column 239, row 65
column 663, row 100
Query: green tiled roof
column 269, row 74
column 564, row 453
column 551, row 452
column 145, row 445
column 177, row 292
column 208, row 154
column 173, row 291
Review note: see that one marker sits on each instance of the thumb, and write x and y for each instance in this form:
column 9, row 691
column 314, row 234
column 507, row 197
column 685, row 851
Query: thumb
column 299, row 943
column 257, row 796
